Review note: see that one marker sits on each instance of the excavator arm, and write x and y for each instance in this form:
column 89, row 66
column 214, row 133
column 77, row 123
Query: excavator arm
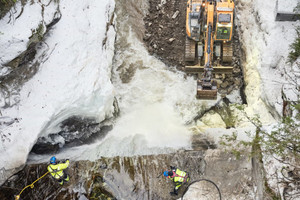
column 207, row 87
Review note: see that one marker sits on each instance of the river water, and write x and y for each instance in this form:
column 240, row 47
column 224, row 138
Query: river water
column 156, row 102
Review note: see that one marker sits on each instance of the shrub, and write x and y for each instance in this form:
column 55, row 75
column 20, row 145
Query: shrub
column 295, row 46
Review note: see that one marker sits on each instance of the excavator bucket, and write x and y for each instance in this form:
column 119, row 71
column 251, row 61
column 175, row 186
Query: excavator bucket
column 207, row 91
column 207, row 94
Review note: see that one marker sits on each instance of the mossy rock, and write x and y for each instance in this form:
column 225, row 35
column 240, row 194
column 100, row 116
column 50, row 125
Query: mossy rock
column 227, row 115
column 98, row 192
column 5, row 6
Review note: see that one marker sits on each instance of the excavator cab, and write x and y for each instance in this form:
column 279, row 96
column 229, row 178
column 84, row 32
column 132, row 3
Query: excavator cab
column 224, row 16
column 223, row 32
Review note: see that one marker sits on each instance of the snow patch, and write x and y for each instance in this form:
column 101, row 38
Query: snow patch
column 15, row 32
column 267, row 44
column 287, row 6
column 74, row 80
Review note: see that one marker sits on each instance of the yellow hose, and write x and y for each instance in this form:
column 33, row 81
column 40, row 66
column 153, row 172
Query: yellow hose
column 31, row 185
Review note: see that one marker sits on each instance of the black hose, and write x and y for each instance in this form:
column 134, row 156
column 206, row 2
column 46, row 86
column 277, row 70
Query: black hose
column 199, row 181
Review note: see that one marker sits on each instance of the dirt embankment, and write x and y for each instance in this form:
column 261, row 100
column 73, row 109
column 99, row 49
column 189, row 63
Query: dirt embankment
column 165, row 31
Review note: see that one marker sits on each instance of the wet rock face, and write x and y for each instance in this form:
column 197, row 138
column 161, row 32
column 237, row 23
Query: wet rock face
column 200, row 142
column 138, row 177
column 5, row 6
column 75, row 131
column 43, row 148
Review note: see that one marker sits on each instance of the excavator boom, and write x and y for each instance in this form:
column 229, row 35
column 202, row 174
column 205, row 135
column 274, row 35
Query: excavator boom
column 206, row 89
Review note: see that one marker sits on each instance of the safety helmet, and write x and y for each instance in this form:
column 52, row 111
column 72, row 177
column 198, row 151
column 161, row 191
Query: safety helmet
column 53, row 160
column 166, row 173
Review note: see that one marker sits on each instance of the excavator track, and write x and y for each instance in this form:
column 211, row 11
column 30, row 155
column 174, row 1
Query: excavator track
column 190, row 50
column 227, row 53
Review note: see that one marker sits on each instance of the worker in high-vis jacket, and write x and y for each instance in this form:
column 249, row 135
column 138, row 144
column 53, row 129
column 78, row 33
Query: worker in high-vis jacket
column 178, row 177
column 57, row 170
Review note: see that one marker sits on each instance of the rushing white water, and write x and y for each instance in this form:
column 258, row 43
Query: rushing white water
column 155, row 103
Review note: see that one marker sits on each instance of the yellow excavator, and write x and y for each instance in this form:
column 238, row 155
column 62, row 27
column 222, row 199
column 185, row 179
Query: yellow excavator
column 208, row 46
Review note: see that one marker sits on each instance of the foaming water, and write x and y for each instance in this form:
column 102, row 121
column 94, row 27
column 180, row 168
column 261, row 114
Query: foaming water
column 141, row 79
column 149, row 129
column 155, row 101
column 158, row 123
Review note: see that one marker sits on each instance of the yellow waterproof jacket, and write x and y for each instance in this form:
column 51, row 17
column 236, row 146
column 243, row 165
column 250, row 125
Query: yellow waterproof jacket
column 179, row 176
column 56, row 170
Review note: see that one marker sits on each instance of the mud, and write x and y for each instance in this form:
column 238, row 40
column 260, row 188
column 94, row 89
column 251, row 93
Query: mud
column 165, row 31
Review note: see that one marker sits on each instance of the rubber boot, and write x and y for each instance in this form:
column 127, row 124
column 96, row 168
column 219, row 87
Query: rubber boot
column 174, row 193
column 60, row 181
column 66, row 178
